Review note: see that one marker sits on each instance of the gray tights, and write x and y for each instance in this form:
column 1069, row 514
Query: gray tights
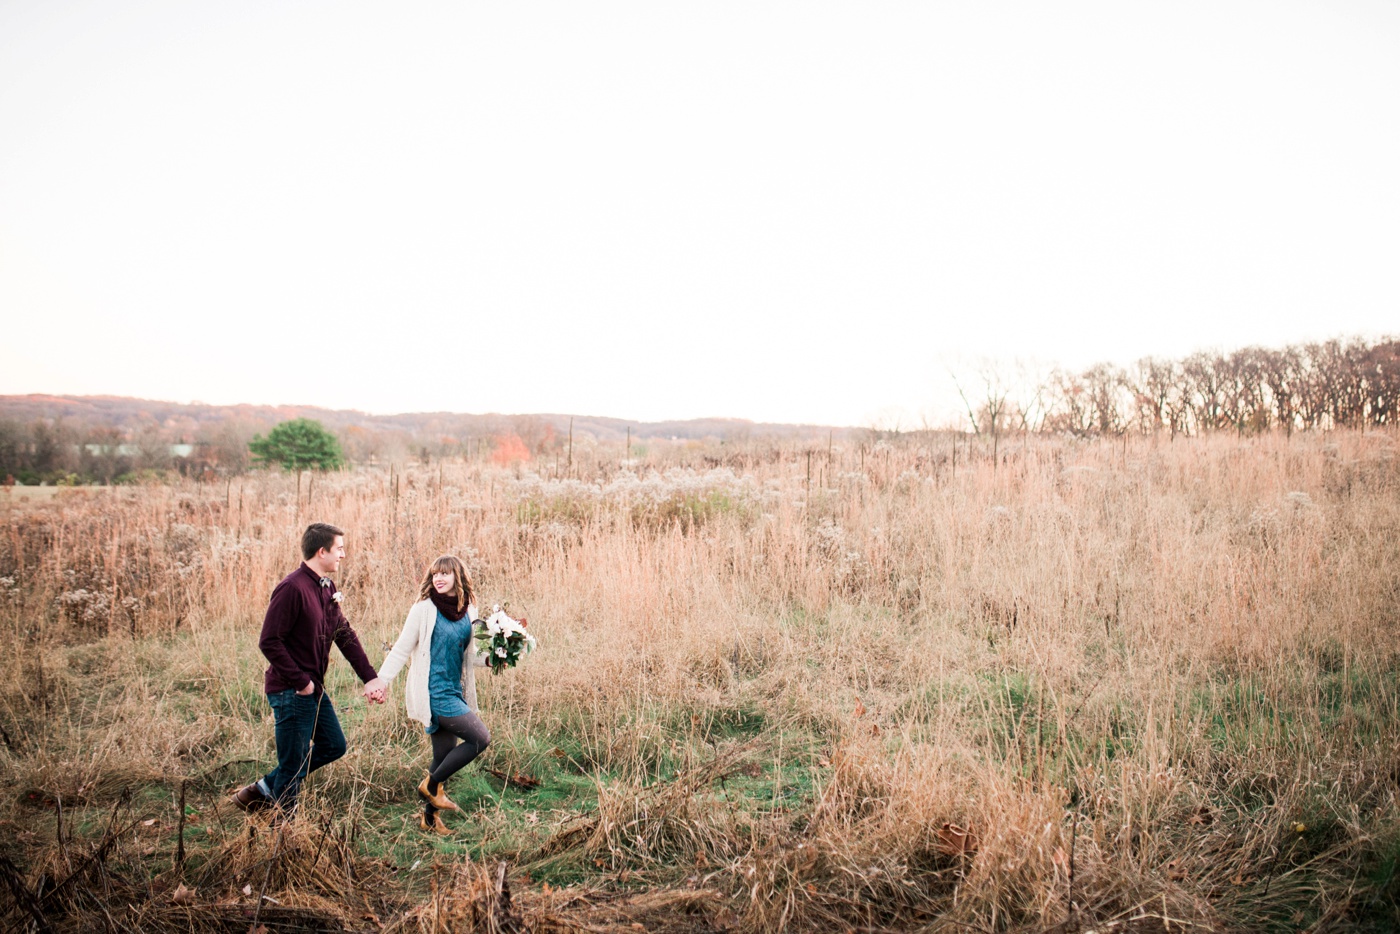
column 450, row 755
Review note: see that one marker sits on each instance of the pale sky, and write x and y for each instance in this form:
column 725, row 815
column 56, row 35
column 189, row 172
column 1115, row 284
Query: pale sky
column 777, row 211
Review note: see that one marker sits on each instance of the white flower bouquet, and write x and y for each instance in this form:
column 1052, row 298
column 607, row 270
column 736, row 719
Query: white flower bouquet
column 503, row 639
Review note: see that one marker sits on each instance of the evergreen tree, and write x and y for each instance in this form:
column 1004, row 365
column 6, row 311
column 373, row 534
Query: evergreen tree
column 299, row 444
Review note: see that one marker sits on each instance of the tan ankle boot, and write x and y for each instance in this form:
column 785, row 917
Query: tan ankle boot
column 435, row 826
column 439, row 800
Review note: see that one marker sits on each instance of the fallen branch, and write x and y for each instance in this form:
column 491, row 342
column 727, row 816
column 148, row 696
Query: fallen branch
column 516, row 779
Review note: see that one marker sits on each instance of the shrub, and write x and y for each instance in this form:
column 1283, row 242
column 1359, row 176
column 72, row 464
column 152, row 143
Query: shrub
column 299, row 444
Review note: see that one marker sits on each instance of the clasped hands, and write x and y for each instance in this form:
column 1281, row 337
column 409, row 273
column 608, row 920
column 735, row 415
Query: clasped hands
column 376, row 690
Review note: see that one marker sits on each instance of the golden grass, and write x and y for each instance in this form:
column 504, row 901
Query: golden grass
column 1132, row 671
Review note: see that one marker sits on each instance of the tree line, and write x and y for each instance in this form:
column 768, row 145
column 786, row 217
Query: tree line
column 1349, row 383
column 59, row 451
column 1318, row 386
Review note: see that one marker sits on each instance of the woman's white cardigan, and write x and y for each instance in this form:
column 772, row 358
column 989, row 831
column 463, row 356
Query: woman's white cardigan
column 415, row 645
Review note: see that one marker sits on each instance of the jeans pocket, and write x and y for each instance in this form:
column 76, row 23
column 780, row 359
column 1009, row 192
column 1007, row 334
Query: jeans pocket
column 285, row 700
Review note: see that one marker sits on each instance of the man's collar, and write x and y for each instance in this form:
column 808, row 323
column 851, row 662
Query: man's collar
column 319, row 579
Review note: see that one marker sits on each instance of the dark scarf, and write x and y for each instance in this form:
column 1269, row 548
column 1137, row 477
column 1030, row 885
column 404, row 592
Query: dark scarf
column 447, row 605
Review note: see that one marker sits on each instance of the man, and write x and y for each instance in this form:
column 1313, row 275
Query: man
column 303, row 618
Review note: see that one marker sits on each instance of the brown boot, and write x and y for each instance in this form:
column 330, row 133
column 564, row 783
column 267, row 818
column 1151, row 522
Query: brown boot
column 439, row 800
column 249, row 798
column 435, row 825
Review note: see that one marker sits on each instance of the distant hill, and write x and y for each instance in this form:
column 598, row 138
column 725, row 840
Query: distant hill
column 177, row 419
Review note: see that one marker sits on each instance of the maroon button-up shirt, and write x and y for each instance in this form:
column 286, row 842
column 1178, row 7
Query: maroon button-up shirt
column 301, row 623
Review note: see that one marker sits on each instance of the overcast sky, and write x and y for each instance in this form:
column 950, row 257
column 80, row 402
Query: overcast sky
column 779, row 211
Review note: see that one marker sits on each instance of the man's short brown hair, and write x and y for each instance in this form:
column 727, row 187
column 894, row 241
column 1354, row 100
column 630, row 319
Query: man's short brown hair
column 318, row 535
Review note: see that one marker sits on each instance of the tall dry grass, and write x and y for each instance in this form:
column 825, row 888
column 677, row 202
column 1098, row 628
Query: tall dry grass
column 1154, row 680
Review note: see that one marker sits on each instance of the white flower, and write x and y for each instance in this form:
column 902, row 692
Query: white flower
column 499, row 624
column 338, row 596
column 508, row 638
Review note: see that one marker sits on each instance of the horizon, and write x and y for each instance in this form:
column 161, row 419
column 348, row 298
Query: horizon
column 1346, row 381
column 200, row 403
column 300, row 410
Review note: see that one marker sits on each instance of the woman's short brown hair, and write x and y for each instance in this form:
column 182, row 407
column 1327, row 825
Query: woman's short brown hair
column 449, row 564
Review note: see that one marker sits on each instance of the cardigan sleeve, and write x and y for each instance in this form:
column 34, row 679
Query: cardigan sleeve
column 403, row 648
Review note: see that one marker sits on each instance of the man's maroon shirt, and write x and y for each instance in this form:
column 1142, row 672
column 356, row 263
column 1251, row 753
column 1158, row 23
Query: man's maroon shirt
column 301, row 623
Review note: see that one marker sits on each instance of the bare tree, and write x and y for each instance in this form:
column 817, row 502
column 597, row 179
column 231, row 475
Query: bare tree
column 1108, row 398
column 1381, row 366
column 1284, row 374
column 1205, row 391
column 990, row 415
column 152, row 448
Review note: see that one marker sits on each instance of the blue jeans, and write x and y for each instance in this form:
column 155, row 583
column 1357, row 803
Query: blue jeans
column 308, row 736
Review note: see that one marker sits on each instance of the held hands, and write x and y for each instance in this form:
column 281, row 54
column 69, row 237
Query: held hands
column 376, row 690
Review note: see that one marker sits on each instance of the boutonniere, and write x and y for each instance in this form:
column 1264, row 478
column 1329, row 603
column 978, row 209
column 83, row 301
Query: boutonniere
column 338, row 596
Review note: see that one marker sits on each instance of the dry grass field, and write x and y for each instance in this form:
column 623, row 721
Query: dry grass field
column 1140, row 685
column 12, row 496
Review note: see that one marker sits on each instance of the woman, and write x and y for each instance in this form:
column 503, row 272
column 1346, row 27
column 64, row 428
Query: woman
column 441, row 691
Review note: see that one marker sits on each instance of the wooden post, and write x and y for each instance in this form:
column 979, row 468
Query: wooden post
column 180, row 832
